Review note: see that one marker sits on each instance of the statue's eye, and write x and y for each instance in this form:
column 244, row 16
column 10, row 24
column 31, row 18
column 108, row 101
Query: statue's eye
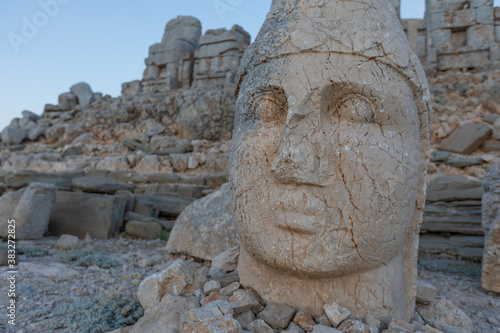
column 356, row 108
column 272, row 107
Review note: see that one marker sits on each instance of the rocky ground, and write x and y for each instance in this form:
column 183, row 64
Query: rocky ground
column 99, row 294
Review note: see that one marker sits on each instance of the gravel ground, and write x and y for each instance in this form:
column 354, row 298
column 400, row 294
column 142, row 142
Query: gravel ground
column 46, row 288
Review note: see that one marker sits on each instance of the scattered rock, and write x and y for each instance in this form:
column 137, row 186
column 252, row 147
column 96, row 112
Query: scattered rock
column 67, row 101
column 426, row 292
column 325, row 329
column 146, row 230
column 400, row 326
column 180, row 278
column 230, row 289
column 293, row 328
column 245, row 319
column 206, row 227
column 68, row 242
column 226, row 261
column 491, row 145
column 166, row 315
column 259, row 326
column 211, row 286
column 354, row 326
column 336, row 313
column 31, row 116
column 444, row 315
column 213, row 317
column 466, row 139
column 465, row 161
column 440, row 156
column 245, row 300
column 13, row 134
column 134, row 145
column 97, row 184
column 278, row 316
column 304, row 319
column 84, row 93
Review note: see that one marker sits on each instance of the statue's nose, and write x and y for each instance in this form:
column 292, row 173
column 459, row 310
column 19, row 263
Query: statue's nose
column 299, row 159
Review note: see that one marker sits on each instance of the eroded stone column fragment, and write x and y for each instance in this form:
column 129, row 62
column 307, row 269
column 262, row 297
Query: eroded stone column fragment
column 329, row 157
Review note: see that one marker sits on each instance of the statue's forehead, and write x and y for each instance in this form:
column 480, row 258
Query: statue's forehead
column 299, row 73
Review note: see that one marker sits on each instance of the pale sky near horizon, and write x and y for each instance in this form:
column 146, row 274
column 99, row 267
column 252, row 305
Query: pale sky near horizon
column 103, row 43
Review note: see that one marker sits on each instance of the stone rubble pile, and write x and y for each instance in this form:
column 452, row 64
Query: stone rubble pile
column 185, row 297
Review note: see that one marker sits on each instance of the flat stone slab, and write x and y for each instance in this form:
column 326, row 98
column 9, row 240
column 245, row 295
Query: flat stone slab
column 466, row 139
column 97, row 184
column 454, row 188
column 26, row 177
column 79, row 213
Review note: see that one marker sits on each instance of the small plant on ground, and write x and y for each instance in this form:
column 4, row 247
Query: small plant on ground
column 163, row 235
column 31, row 251
column 86, row 258
column 97, row 315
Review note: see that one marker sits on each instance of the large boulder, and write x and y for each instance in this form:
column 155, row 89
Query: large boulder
column 206, row 227
column 84, row 93
column 14, row 133
column 79, row 213
column 30, row 210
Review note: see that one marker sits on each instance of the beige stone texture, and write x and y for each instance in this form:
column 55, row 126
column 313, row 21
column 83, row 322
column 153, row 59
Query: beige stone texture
column 328, row 158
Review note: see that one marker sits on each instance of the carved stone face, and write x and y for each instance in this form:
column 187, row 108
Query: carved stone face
column 325, row 163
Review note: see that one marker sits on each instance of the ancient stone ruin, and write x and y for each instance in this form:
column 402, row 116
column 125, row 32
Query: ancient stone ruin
column 456, row 34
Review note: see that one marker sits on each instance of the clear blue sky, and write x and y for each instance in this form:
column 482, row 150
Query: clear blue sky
column 103, row 43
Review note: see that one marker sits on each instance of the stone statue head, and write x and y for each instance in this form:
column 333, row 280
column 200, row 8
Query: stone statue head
column 330, row 146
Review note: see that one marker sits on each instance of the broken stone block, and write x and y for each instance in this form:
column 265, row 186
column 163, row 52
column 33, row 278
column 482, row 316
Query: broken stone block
column 491, row 145
column 213, row 317
column 166, row 315
column 211, row 287
column 244, row 300
column 97, row 184
column 145, row 230
column 304, row 319
column 278, row 316
column 294, row 328
column 464, row 162
column 226, row 261
column 180, row 278
column 67, row 101
column 355, row 326
column 260, row 326
column 79, row 213
column 444, row 315
column 426, row 292
column 325, row 329
column 68, row 242
column 245, row 319
column 466, row 139
column 206, row 227
column 336, row 313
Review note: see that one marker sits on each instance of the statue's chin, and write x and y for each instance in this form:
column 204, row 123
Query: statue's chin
column 311, row 267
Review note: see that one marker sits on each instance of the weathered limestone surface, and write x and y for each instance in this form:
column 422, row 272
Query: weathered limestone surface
column 328, row 158
column 206, row 227
column 491, row 225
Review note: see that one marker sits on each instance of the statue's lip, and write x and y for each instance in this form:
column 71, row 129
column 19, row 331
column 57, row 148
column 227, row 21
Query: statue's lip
column 305, row 225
